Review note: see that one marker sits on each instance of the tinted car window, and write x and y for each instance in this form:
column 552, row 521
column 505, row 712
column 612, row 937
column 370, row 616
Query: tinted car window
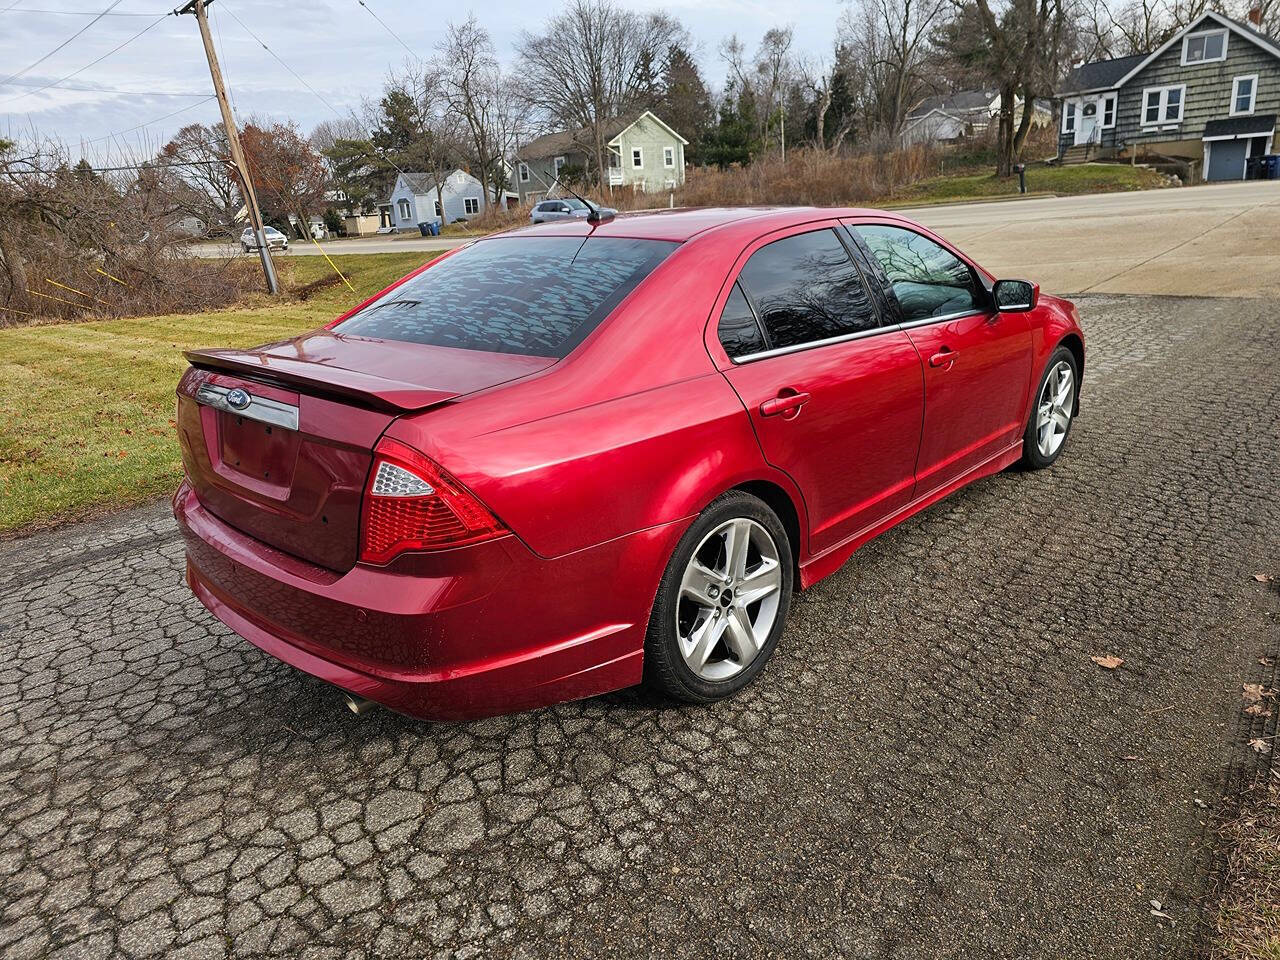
column 806, row 288
column 739, row 332
column 532, row 295
column 928, row 280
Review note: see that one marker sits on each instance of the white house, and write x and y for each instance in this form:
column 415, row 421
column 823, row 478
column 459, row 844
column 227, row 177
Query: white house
column 966, row 113
column 414, row 199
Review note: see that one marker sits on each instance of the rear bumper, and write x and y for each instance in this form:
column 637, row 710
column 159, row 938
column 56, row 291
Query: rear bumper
column 454, row 635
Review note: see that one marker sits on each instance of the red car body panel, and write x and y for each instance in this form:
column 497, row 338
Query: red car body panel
column 595, row 463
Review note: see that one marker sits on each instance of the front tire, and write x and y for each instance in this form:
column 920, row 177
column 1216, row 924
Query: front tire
column 1052, row 411
column 722, row 603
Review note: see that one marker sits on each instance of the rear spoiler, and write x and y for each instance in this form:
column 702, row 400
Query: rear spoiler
column 393, row 396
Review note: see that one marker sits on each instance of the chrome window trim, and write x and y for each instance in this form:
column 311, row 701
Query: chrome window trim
column 924, row 321
column 941, row 318
column 796, row 348
column 262, row 409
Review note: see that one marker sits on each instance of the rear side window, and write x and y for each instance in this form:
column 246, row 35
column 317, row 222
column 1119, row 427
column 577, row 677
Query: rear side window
column 927, row 279
column 530, row 295
column 806, row 288
column 739, row 332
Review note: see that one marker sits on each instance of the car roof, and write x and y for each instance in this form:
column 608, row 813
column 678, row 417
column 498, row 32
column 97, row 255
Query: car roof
column 683, row 224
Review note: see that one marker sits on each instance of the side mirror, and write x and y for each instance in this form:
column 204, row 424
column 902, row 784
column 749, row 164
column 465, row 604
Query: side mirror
column 1015, row 296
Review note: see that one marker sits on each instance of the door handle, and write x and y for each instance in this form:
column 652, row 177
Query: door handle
column 787, row 403
column 944, row 358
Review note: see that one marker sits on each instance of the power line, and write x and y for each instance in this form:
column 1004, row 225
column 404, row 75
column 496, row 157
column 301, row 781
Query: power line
column 23, row 72
column 395, row 36
column 81, row 88
column 71, row 13
column 120, row 133
column 127, row 166
column 92, row 63
column 282, row 63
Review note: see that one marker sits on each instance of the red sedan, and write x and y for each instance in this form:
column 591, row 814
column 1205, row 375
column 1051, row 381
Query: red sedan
column 571, row 458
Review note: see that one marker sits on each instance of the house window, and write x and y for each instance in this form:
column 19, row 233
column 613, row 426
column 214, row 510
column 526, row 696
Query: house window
column 404, row 210
column 1109, row 110
column 558, row 162
column 524, row 173
column 615, row 160
column 1243, row 93
column 439, row 212
column 668, row 156
column 471, row 205
column 1069, row 117
column 1163, row 104
column 1204, row 47
column 637, row 157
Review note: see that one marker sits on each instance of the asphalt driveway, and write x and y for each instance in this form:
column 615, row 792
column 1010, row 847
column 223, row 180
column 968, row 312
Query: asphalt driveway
column 931, row 767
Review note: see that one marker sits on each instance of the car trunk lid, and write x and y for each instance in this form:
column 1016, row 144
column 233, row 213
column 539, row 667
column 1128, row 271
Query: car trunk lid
column 277, row 441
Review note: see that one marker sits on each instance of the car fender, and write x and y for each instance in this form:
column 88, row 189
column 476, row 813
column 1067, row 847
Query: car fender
column 1053, row 321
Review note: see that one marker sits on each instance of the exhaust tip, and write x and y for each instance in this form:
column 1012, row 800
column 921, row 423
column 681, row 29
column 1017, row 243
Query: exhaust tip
column 357, row 705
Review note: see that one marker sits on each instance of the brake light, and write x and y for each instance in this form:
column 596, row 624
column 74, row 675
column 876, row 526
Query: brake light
column 412, row 503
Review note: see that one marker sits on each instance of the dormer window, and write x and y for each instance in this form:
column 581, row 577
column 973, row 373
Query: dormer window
column 1204, row 47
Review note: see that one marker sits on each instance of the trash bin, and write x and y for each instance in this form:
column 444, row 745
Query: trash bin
column 425, row 228
column 1269, row 168
column 435, row 228
column 1253, row 169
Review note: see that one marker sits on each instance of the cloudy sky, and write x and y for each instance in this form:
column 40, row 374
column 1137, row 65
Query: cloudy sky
column 156, row 82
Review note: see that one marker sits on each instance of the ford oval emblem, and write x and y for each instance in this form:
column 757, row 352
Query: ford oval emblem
column 238, row 399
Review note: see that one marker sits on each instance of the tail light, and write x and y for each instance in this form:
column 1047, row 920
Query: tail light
column 411, row 503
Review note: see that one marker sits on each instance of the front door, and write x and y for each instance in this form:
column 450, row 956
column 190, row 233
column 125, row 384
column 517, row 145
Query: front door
column 835, row 397
column 977, row 362
column 1087, row 120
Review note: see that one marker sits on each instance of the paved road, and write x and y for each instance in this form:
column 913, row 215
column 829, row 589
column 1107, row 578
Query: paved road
column 932, row 766
column 1214, row 240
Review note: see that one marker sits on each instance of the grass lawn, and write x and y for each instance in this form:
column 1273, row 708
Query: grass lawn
column 86, row 409
column 1247, row 925
column 1083, row 178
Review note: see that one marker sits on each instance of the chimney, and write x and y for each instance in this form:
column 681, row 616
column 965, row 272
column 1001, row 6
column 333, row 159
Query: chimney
column 1255, row 16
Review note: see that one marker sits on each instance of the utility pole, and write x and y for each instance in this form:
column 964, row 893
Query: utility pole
column 233, row 141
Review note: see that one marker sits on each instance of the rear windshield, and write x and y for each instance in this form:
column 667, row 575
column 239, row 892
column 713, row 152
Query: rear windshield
column 531, row 295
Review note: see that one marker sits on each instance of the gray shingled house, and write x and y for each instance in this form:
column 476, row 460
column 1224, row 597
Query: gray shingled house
column 1209, row 95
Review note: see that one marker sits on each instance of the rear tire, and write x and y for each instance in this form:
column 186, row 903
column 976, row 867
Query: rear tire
column 1052, row 411
column 722, row 603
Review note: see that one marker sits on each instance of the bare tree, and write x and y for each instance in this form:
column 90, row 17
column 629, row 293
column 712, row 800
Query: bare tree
column 199, row 176
column 440, row 134
column 765, row 79
column 891, row 39
column 594, row 62
column 472, row 84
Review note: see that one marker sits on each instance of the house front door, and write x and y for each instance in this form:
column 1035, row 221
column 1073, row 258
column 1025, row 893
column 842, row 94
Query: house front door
column 1087, row 121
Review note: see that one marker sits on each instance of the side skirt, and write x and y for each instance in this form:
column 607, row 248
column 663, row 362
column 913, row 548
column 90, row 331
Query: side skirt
column 832, row 559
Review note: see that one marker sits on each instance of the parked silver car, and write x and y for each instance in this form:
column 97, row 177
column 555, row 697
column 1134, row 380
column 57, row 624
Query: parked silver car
column 564, row 208
column 275, row 239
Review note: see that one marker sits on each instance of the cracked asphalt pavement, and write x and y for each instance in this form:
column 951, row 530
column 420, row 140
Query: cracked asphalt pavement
column 931, row 766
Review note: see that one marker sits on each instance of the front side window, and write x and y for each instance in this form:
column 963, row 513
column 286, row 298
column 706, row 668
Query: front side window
column 1204, row 47
column 404, row 209
column 668, row 156
column 538, row 296
column 1069, row 117
column 806, row 289
column 1109, row 110
column 927, row 279
column 471, row 205
column 524, row 173
column 1162, row 104
column 739, row 330
column 637, row 157
column 558, row 162
column 1242, row 94
column 439, row 213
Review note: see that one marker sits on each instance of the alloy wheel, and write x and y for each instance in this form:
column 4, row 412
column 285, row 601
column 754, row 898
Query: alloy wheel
column 1053, row 409
column 729, row 597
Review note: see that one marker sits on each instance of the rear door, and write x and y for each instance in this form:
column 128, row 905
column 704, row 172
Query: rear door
column 977, row 362
column 834, row 394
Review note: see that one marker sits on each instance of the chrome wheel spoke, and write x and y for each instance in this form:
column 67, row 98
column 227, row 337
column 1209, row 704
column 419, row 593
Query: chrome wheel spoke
column 737, row 543
column 761, row 582
column 740, row 636
column 700, row 584
column 703, row 641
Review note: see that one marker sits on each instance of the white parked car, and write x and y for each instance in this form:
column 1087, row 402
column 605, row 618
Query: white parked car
column 563, row 208
column 275, row 239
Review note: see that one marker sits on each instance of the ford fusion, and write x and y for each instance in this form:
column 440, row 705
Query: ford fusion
column 585, row 455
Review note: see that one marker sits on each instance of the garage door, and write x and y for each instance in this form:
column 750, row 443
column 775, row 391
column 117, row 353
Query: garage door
column 1226, row 160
